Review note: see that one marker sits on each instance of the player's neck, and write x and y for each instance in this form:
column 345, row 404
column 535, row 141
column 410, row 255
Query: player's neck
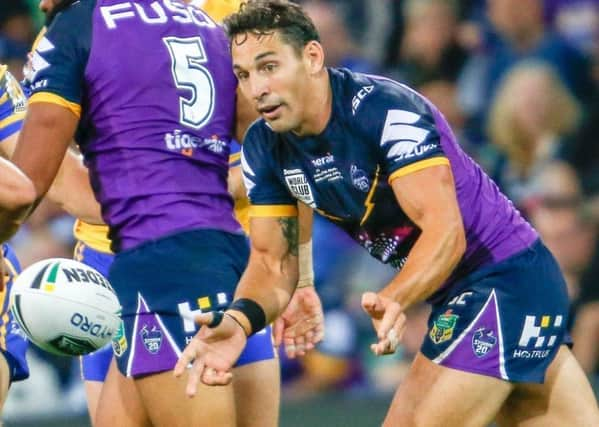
column 319, row 102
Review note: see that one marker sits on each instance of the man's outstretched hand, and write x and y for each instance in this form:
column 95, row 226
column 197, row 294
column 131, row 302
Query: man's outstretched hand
column 301, row 326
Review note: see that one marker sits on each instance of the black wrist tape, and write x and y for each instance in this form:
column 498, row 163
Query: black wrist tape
column 252, row 310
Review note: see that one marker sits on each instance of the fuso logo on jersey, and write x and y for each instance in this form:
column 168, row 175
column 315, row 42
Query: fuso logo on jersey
column 404, row 136
column 299, row 186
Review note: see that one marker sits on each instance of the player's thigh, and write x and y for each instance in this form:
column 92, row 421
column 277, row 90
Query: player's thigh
column 93, row 389
column 120, row 403
column 94, row 368
column 257, row 394
column 168, row 405
column 433, row 395
column 564, row 399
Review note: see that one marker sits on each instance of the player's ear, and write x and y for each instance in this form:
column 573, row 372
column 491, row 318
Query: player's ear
column 314, row 56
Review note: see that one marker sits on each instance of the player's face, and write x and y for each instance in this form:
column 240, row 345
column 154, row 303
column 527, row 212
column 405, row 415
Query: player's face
column 274, row 78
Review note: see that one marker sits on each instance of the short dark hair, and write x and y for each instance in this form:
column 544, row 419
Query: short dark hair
column 263, row 17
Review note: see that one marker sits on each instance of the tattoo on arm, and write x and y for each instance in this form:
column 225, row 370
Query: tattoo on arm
column 290, row 230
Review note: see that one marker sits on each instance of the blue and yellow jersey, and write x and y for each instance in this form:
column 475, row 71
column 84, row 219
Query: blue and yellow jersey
column 12, row 270
column 13, row 104
column 242, row 206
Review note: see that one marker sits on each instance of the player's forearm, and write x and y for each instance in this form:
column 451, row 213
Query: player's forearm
column 434, row 256
column 306, row 268
column 72, row 191
column 269, row 281
column 16, row 197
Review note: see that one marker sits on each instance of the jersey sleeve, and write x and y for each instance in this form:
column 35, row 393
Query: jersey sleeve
column 59, row 59
column 268, row 195
column 13, row 104
column 235, row 154
column 406, row 133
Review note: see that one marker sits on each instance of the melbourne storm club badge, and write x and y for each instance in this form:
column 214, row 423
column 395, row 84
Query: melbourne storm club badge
column 359, row 179
column 483, row 341
column 152, row 338
column 443, row 327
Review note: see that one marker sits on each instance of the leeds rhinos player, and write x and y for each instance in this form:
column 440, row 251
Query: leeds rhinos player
column 381, row 162
column 142, row 204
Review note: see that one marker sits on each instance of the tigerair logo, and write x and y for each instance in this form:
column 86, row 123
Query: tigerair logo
column 186, row 143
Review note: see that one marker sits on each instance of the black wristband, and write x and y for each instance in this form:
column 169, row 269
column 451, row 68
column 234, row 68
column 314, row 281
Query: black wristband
column 252, row 310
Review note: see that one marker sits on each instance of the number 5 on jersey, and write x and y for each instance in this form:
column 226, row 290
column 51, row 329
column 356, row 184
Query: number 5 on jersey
column 187, row 55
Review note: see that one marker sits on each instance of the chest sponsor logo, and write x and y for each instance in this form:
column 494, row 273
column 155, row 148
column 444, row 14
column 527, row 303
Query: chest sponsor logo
column 539, row 335
column 298, row 186
column 151, row 338
column 323, row 161
column 186, row 143
column 359, row 179
column 483, row 341
column 443, row 327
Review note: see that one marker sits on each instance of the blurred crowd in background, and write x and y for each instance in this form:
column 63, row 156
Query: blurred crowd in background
column 517, row 80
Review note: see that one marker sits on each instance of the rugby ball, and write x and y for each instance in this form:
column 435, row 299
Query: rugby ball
column 65, row 307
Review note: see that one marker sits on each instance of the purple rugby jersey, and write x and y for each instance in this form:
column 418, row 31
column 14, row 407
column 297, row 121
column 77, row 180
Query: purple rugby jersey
column 154, row 87
column 380, row 129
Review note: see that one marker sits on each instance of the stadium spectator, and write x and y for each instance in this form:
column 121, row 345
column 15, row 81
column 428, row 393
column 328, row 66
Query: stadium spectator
column 530, row 113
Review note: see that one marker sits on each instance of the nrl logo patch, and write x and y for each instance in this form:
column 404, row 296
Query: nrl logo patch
column 152, row 339
column 119, row 341
column 483, row 341
column 443, row 327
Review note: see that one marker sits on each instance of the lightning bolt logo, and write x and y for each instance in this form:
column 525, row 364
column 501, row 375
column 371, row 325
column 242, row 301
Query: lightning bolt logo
column 368, row 202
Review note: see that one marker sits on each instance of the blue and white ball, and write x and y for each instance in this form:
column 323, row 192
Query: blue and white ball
column 65, row 307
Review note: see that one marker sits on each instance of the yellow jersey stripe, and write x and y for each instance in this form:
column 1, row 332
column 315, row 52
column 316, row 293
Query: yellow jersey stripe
column 12, row 119
column 235, row 157
column 3, row 98
column 52, row 98
column 414, row 167
column 272, row 210
column 93, row 235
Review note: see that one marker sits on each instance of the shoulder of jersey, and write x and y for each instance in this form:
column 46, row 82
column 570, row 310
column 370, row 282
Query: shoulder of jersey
column 367, row 94
column 74, row 10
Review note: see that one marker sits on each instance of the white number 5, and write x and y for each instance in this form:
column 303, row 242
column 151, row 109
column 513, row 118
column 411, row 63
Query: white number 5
column 187, row 55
